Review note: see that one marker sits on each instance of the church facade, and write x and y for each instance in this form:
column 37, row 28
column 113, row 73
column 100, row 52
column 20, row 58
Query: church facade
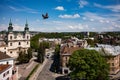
column 17, row 41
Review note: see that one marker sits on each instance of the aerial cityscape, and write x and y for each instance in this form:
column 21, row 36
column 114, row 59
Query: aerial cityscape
column 60, row 40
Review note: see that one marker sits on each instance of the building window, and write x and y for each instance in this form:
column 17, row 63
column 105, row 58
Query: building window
column 4, row 75
column 11, row 52
column 19, row 43
column 10, row 44
column 27, row 43
column 7, row 62
column 11, row 37
column 7, row 72
column 112, row 64
column 27, row 37
column 66, row 58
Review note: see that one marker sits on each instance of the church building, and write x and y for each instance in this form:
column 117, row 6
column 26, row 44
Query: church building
column 17, row 41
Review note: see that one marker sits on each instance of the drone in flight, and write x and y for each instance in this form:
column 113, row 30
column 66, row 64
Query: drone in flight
column 45, row 16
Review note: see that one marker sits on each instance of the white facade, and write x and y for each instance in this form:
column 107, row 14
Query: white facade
column 6, row 61
column 6, row 67
column 16, row 41
column 55, row 40
column 3, row 46
column 7, row 74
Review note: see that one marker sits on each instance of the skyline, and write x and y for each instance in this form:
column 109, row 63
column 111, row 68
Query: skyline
column 64, row 15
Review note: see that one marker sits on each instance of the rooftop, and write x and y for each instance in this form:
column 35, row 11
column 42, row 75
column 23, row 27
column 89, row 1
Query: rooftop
column 107, row 49
column 4, row 67
column 110, row 50
column 69, row 50
column 4, row 56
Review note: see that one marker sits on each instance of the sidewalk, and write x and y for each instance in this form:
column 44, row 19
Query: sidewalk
column 25, row 69
column 36, row 74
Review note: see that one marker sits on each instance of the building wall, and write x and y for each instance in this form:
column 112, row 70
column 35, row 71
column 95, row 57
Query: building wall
column 6, row 74
column 3, row 49
column 17, row 42
column 64, row 60
column 114, row 64
column 9, row 61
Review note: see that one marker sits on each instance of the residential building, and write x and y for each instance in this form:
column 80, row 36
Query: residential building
column 52, row 41
column 112, row 55
column 66, row 50
column 7, row 68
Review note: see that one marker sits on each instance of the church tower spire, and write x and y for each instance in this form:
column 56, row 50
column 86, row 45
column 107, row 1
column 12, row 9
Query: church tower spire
column 10, row 28
column 26, row 29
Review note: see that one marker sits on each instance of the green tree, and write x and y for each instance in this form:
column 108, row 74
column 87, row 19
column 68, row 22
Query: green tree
column 88, row 64
column 56, row 63
column 23, row 57
column 29, row 53
column 41, row 52
column 90, row 42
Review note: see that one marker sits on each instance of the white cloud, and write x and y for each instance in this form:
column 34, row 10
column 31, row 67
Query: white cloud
column 102, row 21
column 78, row 27
column 37, row 20
column 84, row 18
column 69, row 16
column 91, row 19
column 60, row 8
column 17, row 27
column 57, row 22
column 23, row 9
column 114, row 8
column 3, row 27
column 82, row 3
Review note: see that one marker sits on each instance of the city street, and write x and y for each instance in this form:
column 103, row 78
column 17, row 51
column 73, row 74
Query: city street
column 46, row 74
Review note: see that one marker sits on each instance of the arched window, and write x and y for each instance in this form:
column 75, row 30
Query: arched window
column 11, row 37
column 19, row 43
column 10, row 44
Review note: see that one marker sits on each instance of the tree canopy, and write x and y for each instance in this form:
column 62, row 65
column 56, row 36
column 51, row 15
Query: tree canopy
column 25, row 57
column 88, row 64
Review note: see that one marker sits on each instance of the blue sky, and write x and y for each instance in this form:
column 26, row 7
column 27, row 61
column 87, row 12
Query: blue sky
column 64, row 15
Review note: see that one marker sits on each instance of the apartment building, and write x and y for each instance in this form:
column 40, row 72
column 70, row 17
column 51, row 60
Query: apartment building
column 7, row 68
column 112, row 55
column 66, row 50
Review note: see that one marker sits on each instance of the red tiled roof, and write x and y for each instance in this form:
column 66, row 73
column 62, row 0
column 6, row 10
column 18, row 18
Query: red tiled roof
column 69, row 50
column 3, row 56
column 4, row 67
